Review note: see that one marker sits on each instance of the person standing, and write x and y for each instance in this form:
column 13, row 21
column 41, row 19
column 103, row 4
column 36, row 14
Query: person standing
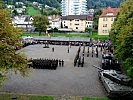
column 52, row 49
column 68, row 50
column 62, row 63
column 59, row 62
column 92, row 51
column 97, row 52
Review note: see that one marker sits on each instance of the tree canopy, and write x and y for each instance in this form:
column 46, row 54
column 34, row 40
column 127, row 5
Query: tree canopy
column 96, row 17
column 10, row 40
column 122, row 36
column 40, row 22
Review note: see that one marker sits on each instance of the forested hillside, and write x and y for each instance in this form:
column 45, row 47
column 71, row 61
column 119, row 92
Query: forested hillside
column 103, row 3
column 90, row 3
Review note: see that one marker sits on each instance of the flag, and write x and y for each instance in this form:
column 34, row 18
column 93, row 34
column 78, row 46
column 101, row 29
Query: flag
column 46, row 33
column 49, row 35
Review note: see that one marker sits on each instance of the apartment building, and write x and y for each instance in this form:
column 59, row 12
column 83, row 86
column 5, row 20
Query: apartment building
column 74, row 7
column 106, row 20
column 77, row 22
column 55, row 21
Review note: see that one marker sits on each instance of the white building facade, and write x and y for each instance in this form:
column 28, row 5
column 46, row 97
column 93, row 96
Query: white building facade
column 55, row 21
column 74, row 7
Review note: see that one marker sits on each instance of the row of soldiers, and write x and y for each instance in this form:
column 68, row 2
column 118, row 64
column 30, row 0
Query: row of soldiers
column 77, row 56
column 46, row 63
column 92, row 51
column 78, row 59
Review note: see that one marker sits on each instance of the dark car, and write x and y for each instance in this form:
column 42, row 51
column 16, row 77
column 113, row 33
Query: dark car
column 116, row 84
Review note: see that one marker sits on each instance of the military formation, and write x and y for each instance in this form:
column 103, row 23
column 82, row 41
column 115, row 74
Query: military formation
column 46, row 63
column 79, row 59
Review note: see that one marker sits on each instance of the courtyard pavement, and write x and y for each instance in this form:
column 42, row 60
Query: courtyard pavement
column 67, row 80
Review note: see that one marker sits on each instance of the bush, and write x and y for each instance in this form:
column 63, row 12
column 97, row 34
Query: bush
column 129, row 66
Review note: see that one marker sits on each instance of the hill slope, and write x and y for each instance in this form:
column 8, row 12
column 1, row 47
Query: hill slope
column 90, row 3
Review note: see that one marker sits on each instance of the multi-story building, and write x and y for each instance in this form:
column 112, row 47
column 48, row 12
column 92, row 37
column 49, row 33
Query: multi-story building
column 55, row 21
column 106, row 20
column 24, row 22
column 77, row 22
column 74, row 7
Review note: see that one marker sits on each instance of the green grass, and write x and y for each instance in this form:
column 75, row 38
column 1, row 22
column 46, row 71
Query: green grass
column 24, row 97
column 100, row 37
column 32, row 11
column 57, row 34
column 86, row 98
column 82, row 35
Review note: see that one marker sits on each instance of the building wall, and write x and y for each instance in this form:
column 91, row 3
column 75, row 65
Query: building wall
column 104, row 25
column 77, row 25
column 89, row 24
column 65, row 23
column 74, row 7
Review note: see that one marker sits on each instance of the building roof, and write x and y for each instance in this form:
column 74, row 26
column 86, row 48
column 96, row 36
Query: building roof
column 110, row 12
column 81, row 17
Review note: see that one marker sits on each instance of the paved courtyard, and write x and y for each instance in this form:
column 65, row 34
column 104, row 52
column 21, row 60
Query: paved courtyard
column 67, row 80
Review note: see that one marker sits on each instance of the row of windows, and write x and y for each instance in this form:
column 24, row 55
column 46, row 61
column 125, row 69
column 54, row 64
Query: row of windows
column 106, row 19
column 104, row 25
column 105, row 31
column 89, row 26
column 88, row 22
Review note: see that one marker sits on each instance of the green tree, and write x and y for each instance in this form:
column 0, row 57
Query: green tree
column 41, row 23
column 89, row 30
column 15, row 13
column 10, row 40
column 122, row 36
column 1, row 4
column 96, row 17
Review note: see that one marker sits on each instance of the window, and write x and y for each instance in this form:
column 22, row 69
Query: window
column 105, row 19
column 111, row 19
column 64, row 21
column 76, row 19
column 76, row 24
column 104, row 25
column 76, row 27
column 70, row 24
column 106, row 31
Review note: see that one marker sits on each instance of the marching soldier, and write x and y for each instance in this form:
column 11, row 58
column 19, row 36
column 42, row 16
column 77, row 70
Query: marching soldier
column 79, row 61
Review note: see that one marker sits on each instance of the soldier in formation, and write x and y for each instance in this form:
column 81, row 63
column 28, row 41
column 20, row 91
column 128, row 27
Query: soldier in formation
column 96, row 51
column 46, row 63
